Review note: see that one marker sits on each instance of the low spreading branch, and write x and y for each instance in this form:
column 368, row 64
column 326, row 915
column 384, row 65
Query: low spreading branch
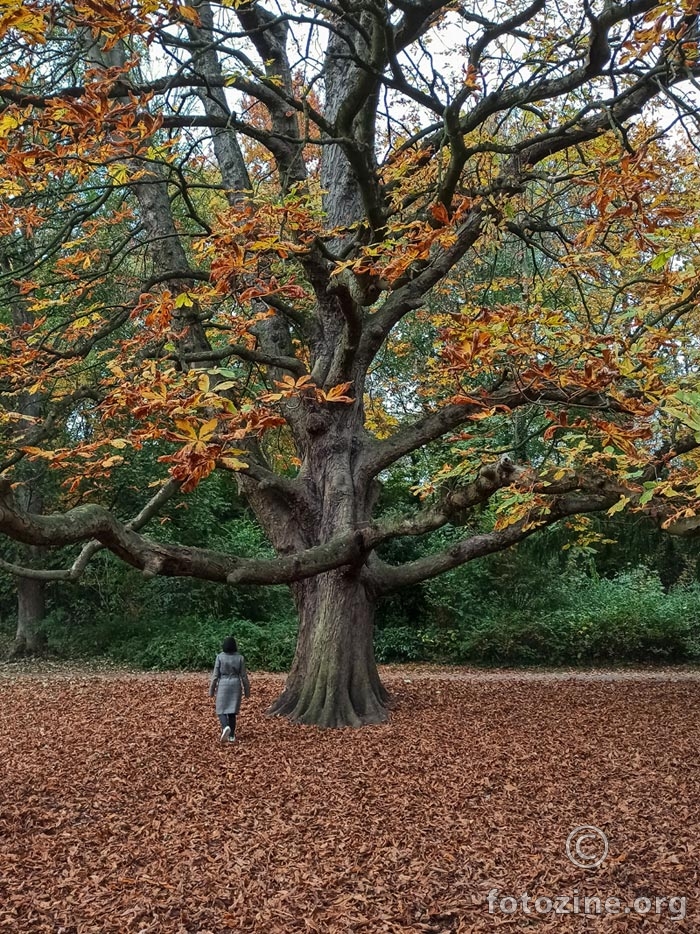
column 571, row 495
column 385, row 578
column 76, row 570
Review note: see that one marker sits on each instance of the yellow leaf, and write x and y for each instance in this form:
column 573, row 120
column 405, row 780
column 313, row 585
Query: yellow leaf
column 186, row 429
column 232, row 463
column 189, row 13
column 619, row 505
column 38, row 452
column 9, row 189
column 16, row 16
column 112, row 461
column 8, row 123
column 208, row 429
column 119, row 173
column 184, row 300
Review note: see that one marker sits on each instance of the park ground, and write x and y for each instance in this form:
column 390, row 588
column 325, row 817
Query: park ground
column 120, row 812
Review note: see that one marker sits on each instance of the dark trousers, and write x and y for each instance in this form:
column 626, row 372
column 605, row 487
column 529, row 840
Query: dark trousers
column 228, row 719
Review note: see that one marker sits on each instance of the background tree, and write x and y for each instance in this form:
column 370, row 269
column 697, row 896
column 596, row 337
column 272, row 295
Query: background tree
column 257, row 206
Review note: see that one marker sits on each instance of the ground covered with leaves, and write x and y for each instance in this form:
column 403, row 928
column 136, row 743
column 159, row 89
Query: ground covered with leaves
column 120, row 812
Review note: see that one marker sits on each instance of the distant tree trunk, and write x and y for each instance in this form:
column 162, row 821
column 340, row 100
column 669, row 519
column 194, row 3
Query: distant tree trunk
column 31, row 608
column 334, row 680
column 31, row 594
column 31, row 603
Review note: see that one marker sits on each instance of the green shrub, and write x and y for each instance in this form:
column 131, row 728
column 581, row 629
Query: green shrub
column 189, row 644
column 568, row 619
column 398, row 644
column 510, row 639
column 629, row 618
column 183, row 642
column 194, row 643
column 266, row 647
column 405, row 644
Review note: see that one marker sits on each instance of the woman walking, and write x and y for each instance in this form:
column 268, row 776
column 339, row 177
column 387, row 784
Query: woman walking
column 226, row 681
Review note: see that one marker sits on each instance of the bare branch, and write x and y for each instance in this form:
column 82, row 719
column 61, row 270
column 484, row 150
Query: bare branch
column 242, row 353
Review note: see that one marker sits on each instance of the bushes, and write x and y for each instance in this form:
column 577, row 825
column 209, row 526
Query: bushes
column 629, row 618
column 187, row 642
column 632, row 619
column 269, row 647
column 510, row 638
column 190, row 644
column 405, row 644
column 168, row 623
column 193, row 644
column 490, row 613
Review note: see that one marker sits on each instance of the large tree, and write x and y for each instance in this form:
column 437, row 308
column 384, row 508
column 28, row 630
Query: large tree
column 304, row 241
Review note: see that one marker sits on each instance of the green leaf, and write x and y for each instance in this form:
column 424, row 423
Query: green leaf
column 619, row 505
column 660, row 260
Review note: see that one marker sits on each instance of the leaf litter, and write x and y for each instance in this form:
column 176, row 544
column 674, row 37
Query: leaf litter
column 121, row 813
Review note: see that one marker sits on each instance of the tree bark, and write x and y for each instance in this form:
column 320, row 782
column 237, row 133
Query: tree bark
column 31, row 593
column 334, row 680
column 31, row 608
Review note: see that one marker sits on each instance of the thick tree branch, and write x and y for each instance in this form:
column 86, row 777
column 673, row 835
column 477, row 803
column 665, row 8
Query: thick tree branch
column 434, row 425
column 385, row 578
column 242, row 353
column 85, row 523
column 572, row 495
column 76, row 570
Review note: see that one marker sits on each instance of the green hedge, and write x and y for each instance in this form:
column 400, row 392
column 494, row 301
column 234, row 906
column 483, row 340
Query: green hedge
column 194, row 644
column 629, row 618
column 187, row 642
column 625, row 619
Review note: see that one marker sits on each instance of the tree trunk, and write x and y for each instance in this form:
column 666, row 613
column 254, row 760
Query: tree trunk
column 334, row 680
column 31, row 607
column 31, row 594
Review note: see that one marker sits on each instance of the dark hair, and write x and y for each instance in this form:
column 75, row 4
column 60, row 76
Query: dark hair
column 230, row 646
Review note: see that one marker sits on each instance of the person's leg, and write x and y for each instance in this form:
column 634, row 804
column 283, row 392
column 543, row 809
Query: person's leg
column 232, row 724
column 223, row 720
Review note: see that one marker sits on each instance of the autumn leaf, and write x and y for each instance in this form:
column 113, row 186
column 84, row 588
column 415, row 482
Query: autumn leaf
column 337, row 393
column 439, row 212
column 207, row 429
column 186, row 429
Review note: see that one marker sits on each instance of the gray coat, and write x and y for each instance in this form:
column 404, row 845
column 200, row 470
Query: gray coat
column 226, row 680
